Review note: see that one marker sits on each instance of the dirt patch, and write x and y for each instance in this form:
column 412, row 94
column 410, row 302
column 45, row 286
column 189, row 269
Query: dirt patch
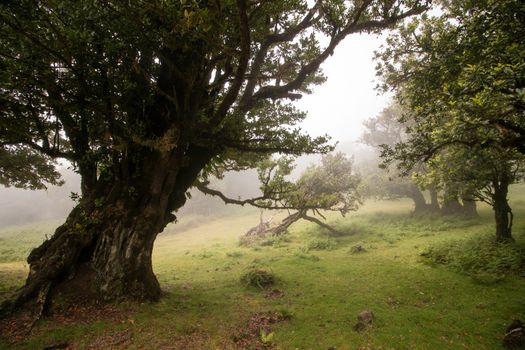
column 257, row 335
column 86, row 314
column 274, row 294
column 113, row 340
column 17, row 327
column 20, row 326
column 192, row 341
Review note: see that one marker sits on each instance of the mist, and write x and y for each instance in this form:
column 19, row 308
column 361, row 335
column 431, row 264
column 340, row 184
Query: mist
column 19, row 206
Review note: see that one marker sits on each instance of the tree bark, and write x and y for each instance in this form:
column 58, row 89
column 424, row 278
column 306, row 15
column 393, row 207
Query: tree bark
column 107, row 239
column 434, row 202
column 323, row 225
column 451, row 206
column 420, row 205
column 265, row 230
column 502, row 210
column 286, row 222
column 469, row 207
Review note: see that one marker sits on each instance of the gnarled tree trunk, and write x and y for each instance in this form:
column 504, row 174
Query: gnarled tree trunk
column 502, row 210
column 286, row 223
column 265, row 230
column 107, row 240
column 451, row 206
column 420, row 205
column 434, row 202
column 469, row 207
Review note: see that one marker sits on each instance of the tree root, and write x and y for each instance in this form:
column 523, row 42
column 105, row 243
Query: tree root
column 41, row 305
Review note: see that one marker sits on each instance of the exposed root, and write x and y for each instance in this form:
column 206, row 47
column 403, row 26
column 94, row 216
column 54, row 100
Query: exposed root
column 41, row 305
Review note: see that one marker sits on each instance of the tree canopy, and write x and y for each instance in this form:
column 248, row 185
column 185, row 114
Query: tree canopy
column 93, row 82
column 462, row 70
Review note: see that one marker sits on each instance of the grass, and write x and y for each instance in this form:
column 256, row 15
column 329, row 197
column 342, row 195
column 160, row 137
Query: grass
column 324, row 286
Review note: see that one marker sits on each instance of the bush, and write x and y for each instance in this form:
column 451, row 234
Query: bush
column 258, row 277
column 482, row 258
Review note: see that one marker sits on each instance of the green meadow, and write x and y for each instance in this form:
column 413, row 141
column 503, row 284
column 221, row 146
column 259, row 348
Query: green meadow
column 321, row 285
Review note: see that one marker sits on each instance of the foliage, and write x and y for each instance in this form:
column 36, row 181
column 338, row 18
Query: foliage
column 385, row 180
column 329, row 186
column 483, row 258
column 24, row 168
column 258, row 277
column 471, row 173
column 385, row 128
column 266, row 338
column 443, row 69
column 80, row 85
column 459, row 75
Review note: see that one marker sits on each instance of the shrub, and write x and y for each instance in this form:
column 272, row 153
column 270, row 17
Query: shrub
column 483, row 258
column 258, row 277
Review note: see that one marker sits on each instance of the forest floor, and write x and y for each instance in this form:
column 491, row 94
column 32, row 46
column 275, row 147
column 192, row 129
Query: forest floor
column 322, row 284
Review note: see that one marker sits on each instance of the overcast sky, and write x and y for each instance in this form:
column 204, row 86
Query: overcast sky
column 339, row 106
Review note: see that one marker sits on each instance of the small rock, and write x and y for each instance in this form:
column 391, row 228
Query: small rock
column 515, row 336
column 364, row 320
column 366, row 317
column 357, row 249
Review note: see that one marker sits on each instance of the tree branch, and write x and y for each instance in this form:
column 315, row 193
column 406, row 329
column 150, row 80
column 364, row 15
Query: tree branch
column 281, row 91
column 270, row 40
column 202, row 186
column 322, row 224
column 244, row 58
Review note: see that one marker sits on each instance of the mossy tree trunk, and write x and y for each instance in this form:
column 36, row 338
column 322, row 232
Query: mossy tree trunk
column 420, row 205
column 502, row 210
column 111, row 232
column 283, row 226
column 451, row 206
column 469, row 207
column 434, row 201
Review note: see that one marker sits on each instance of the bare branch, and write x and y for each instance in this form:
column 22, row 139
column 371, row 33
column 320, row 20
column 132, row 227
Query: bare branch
column 202, row 186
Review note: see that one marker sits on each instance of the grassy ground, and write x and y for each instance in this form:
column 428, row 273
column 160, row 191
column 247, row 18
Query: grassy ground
column 323, row 285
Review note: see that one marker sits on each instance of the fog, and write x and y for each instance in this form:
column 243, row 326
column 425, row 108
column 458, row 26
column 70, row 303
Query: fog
column 18, row 206
column 336, row 107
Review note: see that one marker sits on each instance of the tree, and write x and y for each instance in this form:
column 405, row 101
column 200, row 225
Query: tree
column 329, row 186
column 460, row 77
column 386, row 130
column 145, row 96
